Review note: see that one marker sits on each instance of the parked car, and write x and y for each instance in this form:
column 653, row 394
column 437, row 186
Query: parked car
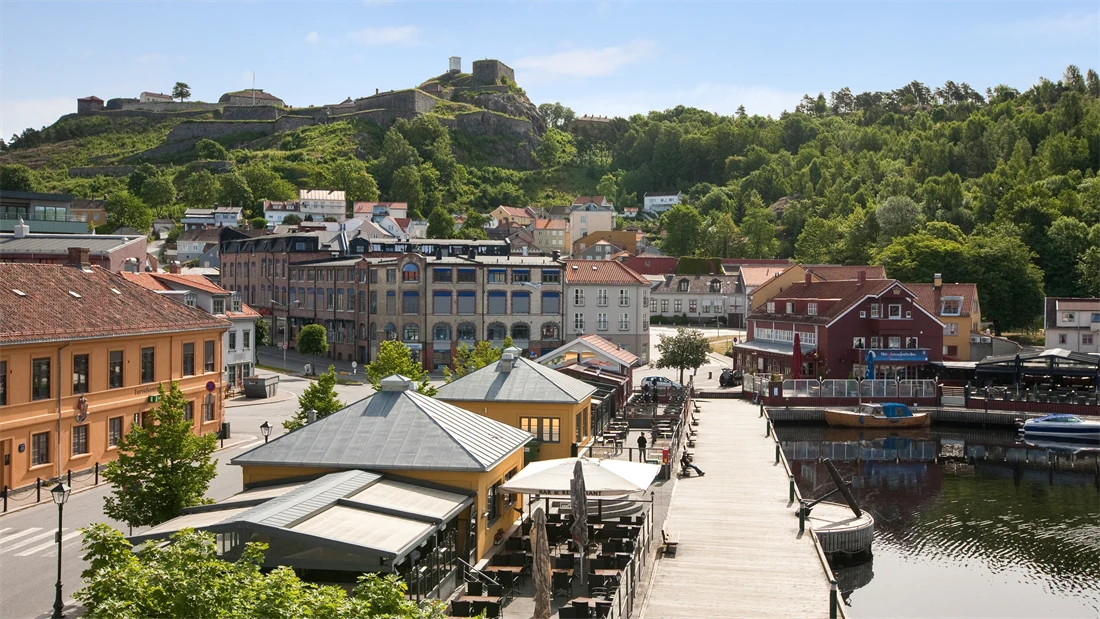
column 660, row 381
column 730, row 378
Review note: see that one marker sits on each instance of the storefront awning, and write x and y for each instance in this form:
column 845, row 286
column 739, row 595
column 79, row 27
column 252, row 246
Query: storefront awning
column 779, row 348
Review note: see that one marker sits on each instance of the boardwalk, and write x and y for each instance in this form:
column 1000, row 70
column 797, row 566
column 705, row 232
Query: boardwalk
column 739, row 552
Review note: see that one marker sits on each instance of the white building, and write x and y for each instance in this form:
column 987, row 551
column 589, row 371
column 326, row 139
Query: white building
column 217, row 217
column 610, row 300
column 155, row 97
column 661, row 201
column 321, row 203
column 1072, row 324
column 701, row 298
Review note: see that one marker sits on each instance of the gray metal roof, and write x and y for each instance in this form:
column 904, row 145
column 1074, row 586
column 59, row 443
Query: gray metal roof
column 394, row 430
column 97, row 244
column 526, row 382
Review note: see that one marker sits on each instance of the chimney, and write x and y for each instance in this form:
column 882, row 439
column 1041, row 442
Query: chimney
column 507, row 362
column 21, row 229
column 174, row 267
column 809, row 277
column 311, row 415
column 78, row 257
column 524, row 250
column 555, row 255
column 438, row 253
column 472, row 254
column 375, row 91
column 937, row 281
column 397, row 382
column 861, row 278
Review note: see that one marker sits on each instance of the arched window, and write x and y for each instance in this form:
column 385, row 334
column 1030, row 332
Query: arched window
column 362, row 331
column 551, row 331
column 410, row 273
column 467, row 332
column 715, row 285
column 411, row 333
column 496, row 331
column 373, row 331
column 391, row 331
column 521, row 331
column 441, row 332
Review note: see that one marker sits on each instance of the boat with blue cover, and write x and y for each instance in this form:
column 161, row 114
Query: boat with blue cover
column 1063, row 426
column 877, row 415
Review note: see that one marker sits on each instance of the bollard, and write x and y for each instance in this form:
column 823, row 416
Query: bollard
column 69, row 482
column 777, row 452
column 97, row 473
column 802, row 516
column 832, row 599
column 5, row 499
column 761, row 409
column 768, row 429
column 792, row 488
column 37, row 489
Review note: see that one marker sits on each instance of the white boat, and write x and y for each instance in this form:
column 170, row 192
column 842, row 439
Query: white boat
column 1062, row 427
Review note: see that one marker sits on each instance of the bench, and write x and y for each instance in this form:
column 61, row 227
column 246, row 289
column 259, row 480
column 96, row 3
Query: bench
column 669, row 543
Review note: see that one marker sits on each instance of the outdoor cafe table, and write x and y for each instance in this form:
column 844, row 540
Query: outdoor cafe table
column 562, row 570
column 487, row 599
column 607, row 572
column 515, row 569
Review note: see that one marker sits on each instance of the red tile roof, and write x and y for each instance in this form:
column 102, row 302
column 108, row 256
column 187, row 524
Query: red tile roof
column 516, row 212
column 929, row 298
column 582, row 200
column 551, row 224
column 755, row 276
column 193, row 281
column 845, row 294
column 146, row 280
column 601, row 272
column 160, row 281
column 611, row 349
column 652, row 265
column 96, row 311
column 830, row 272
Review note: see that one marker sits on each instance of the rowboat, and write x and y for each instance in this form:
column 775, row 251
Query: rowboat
column 885, row 415
column 1062, row 427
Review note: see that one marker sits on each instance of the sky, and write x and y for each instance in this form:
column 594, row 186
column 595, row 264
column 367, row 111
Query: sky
column 601, row 58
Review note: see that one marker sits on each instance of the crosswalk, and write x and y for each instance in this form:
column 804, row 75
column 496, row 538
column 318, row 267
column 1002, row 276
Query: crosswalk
column 36, row 541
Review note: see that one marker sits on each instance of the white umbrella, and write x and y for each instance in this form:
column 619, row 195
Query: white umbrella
column 605, row 478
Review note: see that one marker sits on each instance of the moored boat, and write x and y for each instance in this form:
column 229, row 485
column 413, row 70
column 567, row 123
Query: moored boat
column 885, row 415
column 1063, row 427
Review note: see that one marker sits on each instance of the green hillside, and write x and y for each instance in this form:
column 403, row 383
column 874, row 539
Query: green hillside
column 998, row 187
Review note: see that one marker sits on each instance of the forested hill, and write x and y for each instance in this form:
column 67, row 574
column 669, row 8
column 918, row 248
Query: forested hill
column 997, row 188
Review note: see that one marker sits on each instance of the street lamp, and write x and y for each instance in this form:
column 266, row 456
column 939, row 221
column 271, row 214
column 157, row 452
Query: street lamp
column 265, row 429
column 286, row 325
column 60, row 494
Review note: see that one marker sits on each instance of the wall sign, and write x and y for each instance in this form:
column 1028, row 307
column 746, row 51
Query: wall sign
column 899, row 354
column 22, row 447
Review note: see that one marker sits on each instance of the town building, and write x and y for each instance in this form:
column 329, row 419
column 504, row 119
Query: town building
column 660, row 201
column 193, row 244
column 782, row 276
column 703, row 299
column 838, row 323
column 275, row 212
column 520, row 239
column 85, row 105
column 42, row 212
column 377, row 210
column 414, row 442
column 238, row 345
column 591, row 216
column 600, row 250
column 155, row 97
column 630, row 212
column 217, row 217
column 82, row 353
column 559, row 212
column 321, row 203
column 551, row 235
column 1072, row 324
column 632, row 241
column 112, row 252
column 554, row 407
column 957, row 307
column 600, row 363
column 503, row 214
column 610, row 300
column 93, row 211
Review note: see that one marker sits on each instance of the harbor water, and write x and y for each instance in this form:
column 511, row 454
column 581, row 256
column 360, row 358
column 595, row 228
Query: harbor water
column 969, row 522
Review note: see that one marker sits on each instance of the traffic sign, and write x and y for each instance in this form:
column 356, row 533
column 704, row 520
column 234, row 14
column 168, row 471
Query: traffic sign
column 283, row 345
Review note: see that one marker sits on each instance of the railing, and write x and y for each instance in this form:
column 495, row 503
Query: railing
column 850, row 388
column 32, row 494
column 38, row 217
column 756, row 383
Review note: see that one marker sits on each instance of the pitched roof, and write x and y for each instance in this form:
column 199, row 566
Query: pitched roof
column 1064, row 304
column 610, row 349
column 697, row 284
column 601, row 272
column 929, row 297
column 526, row 382
column 652, row 265
column 516, row 212
column 845, row 293
column 582, row 200
column 206, row 235
column 163, row 281
column 560, row 211
column 754, row 276
column 830, row 272
column 394, row 430
column 248, row 92
column 320, row 194
column 368, row 207
column 659, row 194
column 105, row 304
column 156, row 95
column 34, row 243
column 551, row 224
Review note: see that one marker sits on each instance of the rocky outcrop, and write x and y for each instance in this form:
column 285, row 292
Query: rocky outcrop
column 509, row 103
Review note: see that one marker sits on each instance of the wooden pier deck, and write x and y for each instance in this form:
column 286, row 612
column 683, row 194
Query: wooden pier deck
column 739, row 554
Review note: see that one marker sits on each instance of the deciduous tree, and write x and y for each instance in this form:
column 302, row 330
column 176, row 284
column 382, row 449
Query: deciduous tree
column 441, row 225
column 688, row 349
column 396, row 358
column 683, row 226
column 313, row 340
column 320, row 396
column 181, row 91
column 210, row 150
column 472, row 359
column 127, row 210
column 18, row 177
column 198, row 189
column 555, row 149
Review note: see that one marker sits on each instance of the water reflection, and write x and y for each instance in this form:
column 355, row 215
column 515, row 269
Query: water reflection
column 990, row 525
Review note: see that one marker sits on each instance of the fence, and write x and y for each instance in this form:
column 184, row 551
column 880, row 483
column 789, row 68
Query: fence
column 622, row 599
column 755, row 383
column 30, row 495
column 850, row 388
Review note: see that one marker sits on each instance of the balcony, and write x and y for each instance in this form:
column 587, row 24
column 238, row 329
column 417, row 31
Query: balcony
column 54, row 224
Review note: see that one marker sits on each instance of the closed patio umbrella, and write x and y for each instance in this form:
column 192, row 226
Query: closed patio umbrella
column 541, row 568
column 579, row 505
column 796, row 361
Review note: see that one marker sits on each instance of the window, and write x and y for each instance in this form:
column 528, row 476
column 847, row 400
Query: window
column 467, row 302
column 790, row 307
column 551, row 303
column 147, row 358
column 895, row 312
column 391, row 275
column 601, row 297
column 467, row 276
column 521, row 331
column 374, row 276
column 362, row 300
column 208, row 407
column 189, row 359
column 624, row 298
column 391, row 302
column 40, row 448
column 114, row 369
column 498, row 302
column 578, row 322
column 330, row 298
column 664, row 306
column 874, row 341
column 951, row 306
column 1061, row 338
column 410, row 302
column 1086, row 339
column 80, row 374
column 521, row 276
column 208, row 356
column 40, row 379
column 80, row 440
column 467, row 332
column 693, row 306
column 492, row 503
column 811, row 309
column 715, row 285
column 950, row 328
column 521, row 302
column 911, row 342
column 219, row 305
column 410, row 273
column 551, row 276
column 678, row 306
column 683, row 286
column 340, row 300
column 601, row 321
column 875, row 310
column 391, row 331
column 706, row 306
column 578, row 297
column 441, row 302
column 1069, row 317
column 246, row 339
column 114, row 431
column 653, row 305
column 235, row 300
column 1095, row 317
column 373, row 302
column 771, row 307
column 498, row 276
column 496, row 331
column 189, row 299
column 858, row 342
column 442, row 332
column 545, row 429
column 951, row 351
column 441, row 276
column 624, row 322
column 411, row 333
column 189, row 411
column 894, row 341
column 551, row 332
column 3, row 383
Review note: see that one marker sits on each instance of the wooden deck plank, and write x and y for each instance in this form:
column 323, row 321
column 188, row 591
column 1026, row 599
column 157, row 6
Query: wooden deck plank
column 739, row 553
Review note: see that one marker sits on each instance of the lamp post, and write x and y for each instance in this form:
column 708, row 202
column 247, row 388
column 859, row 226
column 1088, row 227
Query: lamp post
column 286, row 324
column 60, row 494
column 265, row 429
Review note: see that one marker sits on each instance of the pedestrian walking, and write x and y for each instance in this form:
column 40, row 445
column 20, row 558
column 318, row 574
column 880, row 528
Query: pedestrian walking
column 641, row 446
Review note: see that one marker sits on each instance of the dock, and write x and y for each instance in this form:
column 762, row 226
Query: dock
column 740, row 553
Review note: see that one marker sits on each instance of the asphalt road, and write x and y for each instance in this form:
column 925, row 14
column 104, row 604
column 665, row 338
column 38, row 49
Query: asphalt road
column 28, row 553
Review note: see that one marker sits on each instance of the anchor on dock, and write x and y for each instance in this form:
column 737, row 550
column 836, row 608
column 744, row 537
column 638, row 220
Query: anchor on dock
column 841, row 529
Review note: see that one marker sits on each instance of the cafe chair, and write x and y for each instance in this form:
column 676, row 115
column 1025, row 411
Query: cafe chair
column 474, row 588
column 461, row 609
column 567, row 612
column 561, row 583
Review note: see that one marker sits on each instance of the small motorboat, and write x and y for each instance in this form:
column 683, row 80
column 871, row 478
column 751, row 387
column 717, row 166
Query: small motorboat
column 884, row 415
column 1062, row 427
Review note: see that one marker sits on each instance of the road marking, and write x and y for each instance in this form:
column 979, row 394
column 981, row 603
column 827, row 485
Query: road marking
column 20, row 534
column 64, row 539
column 29, row 540
column 5, row 529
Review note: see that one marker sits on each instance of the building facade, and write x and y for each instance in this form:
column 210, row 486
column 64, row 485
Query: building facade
column 700, row 298
column 591, row 217
column 551, row 235
column 112, row 252
column 322, row 203
column 661, row 201
column 1072, row 324
column 957, row 307
column 75, row 379
column 610, row 300
column 48, row 213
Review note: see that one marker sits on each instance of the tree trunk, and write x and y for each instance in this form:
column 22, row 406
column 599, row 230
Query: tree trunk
column 681, row 377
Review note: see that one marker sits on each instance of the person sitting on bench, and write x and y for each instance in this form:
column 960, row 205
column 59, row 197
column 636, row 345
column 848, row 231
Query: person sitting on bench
column 685, row 464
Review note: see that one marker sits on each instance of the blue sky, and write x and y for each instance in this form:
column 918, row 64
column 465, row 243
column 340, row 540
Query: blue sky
column 609, row 58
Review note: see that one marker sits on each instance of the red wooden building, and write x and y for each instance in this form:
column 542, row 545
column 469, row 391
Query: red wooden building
column 838, row 322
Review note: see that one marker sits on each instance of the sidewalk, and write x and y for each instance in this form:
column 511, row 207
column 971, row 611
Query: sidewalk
column 239, row 400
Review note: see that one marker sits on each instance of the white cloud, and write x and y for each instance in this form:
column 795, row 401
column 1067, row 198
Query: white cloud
column 18, row 114
column 388, row 35
column 586, row 62
column 720, row 98
column 313, row 37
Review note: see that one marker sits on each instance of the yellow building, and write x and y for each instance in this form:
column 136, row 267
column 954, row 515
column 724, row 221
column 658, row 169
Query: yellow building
column 956, row 306
column 407, row 436
column 764, row 282
column 82, row 352
column 504, row 214
column 553, row 406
